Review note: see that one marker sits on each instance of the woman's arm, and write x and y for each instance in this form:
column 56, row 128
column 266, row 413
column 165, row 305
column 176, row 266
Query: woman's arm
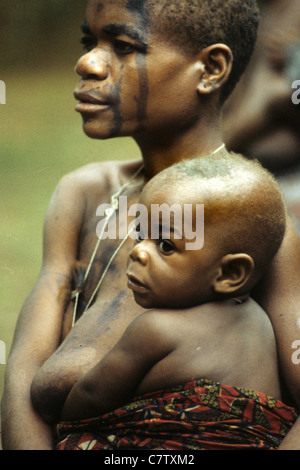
column 38, row 330
column 292, row 439
column 115, row 379
column 279, row 295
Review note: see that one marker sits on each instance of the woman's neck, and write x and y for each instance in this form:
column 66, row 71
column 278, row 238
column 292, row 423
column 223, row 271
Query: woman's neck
column 160, row 153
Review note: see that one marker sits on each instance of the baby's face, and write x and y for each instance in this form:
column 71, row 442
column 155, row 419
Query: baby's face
column 166, row 268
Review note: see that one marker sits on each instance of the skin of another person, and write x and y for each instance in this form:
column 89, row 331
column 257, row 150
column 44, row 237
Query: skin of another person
column 187, row 334
column 169, row 102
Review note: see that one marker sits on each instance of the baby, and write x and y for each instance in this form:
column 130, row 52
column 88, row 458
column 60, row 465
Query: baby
column 201, row 321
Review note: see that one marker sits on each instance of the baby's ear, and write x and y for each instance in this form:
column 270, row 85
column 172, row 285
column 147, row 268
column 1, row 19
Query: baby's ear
column 216, row 67
column 234, row 273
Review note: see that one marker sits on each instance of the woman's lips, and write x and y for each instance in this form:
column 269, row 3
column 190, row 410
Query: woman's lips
column 90, row 107
column 89, row 102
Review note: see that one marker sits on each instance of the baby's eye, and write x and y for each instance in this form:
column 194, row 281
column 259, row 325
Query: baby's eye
column 123, row 47
column 166, row 246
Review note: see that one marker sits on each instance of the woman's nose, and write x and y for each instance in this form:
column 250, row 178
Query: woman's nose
column 93, row 64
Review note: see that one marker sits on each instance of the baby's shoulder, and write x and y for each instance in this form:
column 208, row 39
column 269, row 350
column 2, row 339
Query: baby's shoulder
column 156, row 325
column 153, row 319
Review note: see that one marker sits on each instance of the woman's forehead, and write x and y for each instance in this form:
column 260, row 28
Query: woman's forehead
column 129, row 14
column 135, row 7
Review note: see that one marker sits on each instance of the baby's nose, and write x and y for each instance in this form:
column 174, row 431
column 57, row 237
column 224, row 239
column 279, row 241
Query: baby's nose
column 139, row 253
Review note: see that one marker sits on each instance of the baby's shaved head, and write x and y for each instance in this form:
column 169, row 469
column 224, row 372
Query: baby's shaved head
column 242, row 202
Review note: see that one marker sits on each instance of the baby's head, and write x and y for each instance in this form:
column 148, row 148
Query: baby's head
column 242, row 229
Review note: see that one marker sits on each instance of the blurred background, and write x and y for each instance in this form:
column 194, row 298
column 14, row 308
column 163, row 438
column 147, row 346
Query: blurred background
column 260, row 119
column 41, row 137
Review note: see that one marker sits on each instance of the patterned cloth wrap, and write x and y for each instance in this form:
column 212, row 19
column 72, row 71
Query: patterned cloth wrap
column 201, row 415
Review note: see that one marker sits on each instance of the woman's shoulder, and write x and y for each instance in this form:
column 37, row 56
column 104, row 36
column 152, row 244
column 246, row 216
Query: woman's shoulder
column 102, row 173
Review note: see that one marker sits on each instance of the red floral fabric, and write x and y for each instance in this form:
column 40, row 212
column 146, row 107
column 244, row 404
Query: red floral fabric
column 197, row 416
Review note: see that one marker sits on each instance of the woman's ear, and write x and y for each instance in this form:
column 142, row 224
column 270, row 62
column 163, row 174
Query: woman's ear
column 216, row 67
column 234, row 273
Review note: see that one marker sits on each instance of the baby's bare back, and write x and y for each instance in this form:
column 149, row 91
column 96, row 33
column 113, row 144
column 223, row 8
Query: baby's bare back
column 226, row 342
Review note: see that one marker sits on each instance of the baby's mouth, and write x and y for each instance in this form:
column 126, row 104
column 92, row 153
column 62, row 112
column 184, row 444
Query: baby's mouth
column 135, row 284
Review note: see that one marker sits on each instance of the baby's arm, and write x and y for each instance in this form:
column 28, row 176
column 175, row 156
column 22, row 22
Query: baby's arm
column 114, row 380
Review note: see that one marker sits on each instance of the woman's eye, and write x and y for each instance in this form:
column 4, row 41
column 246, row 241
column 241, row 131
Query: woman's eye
column 165, row 246
column 123, row 47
